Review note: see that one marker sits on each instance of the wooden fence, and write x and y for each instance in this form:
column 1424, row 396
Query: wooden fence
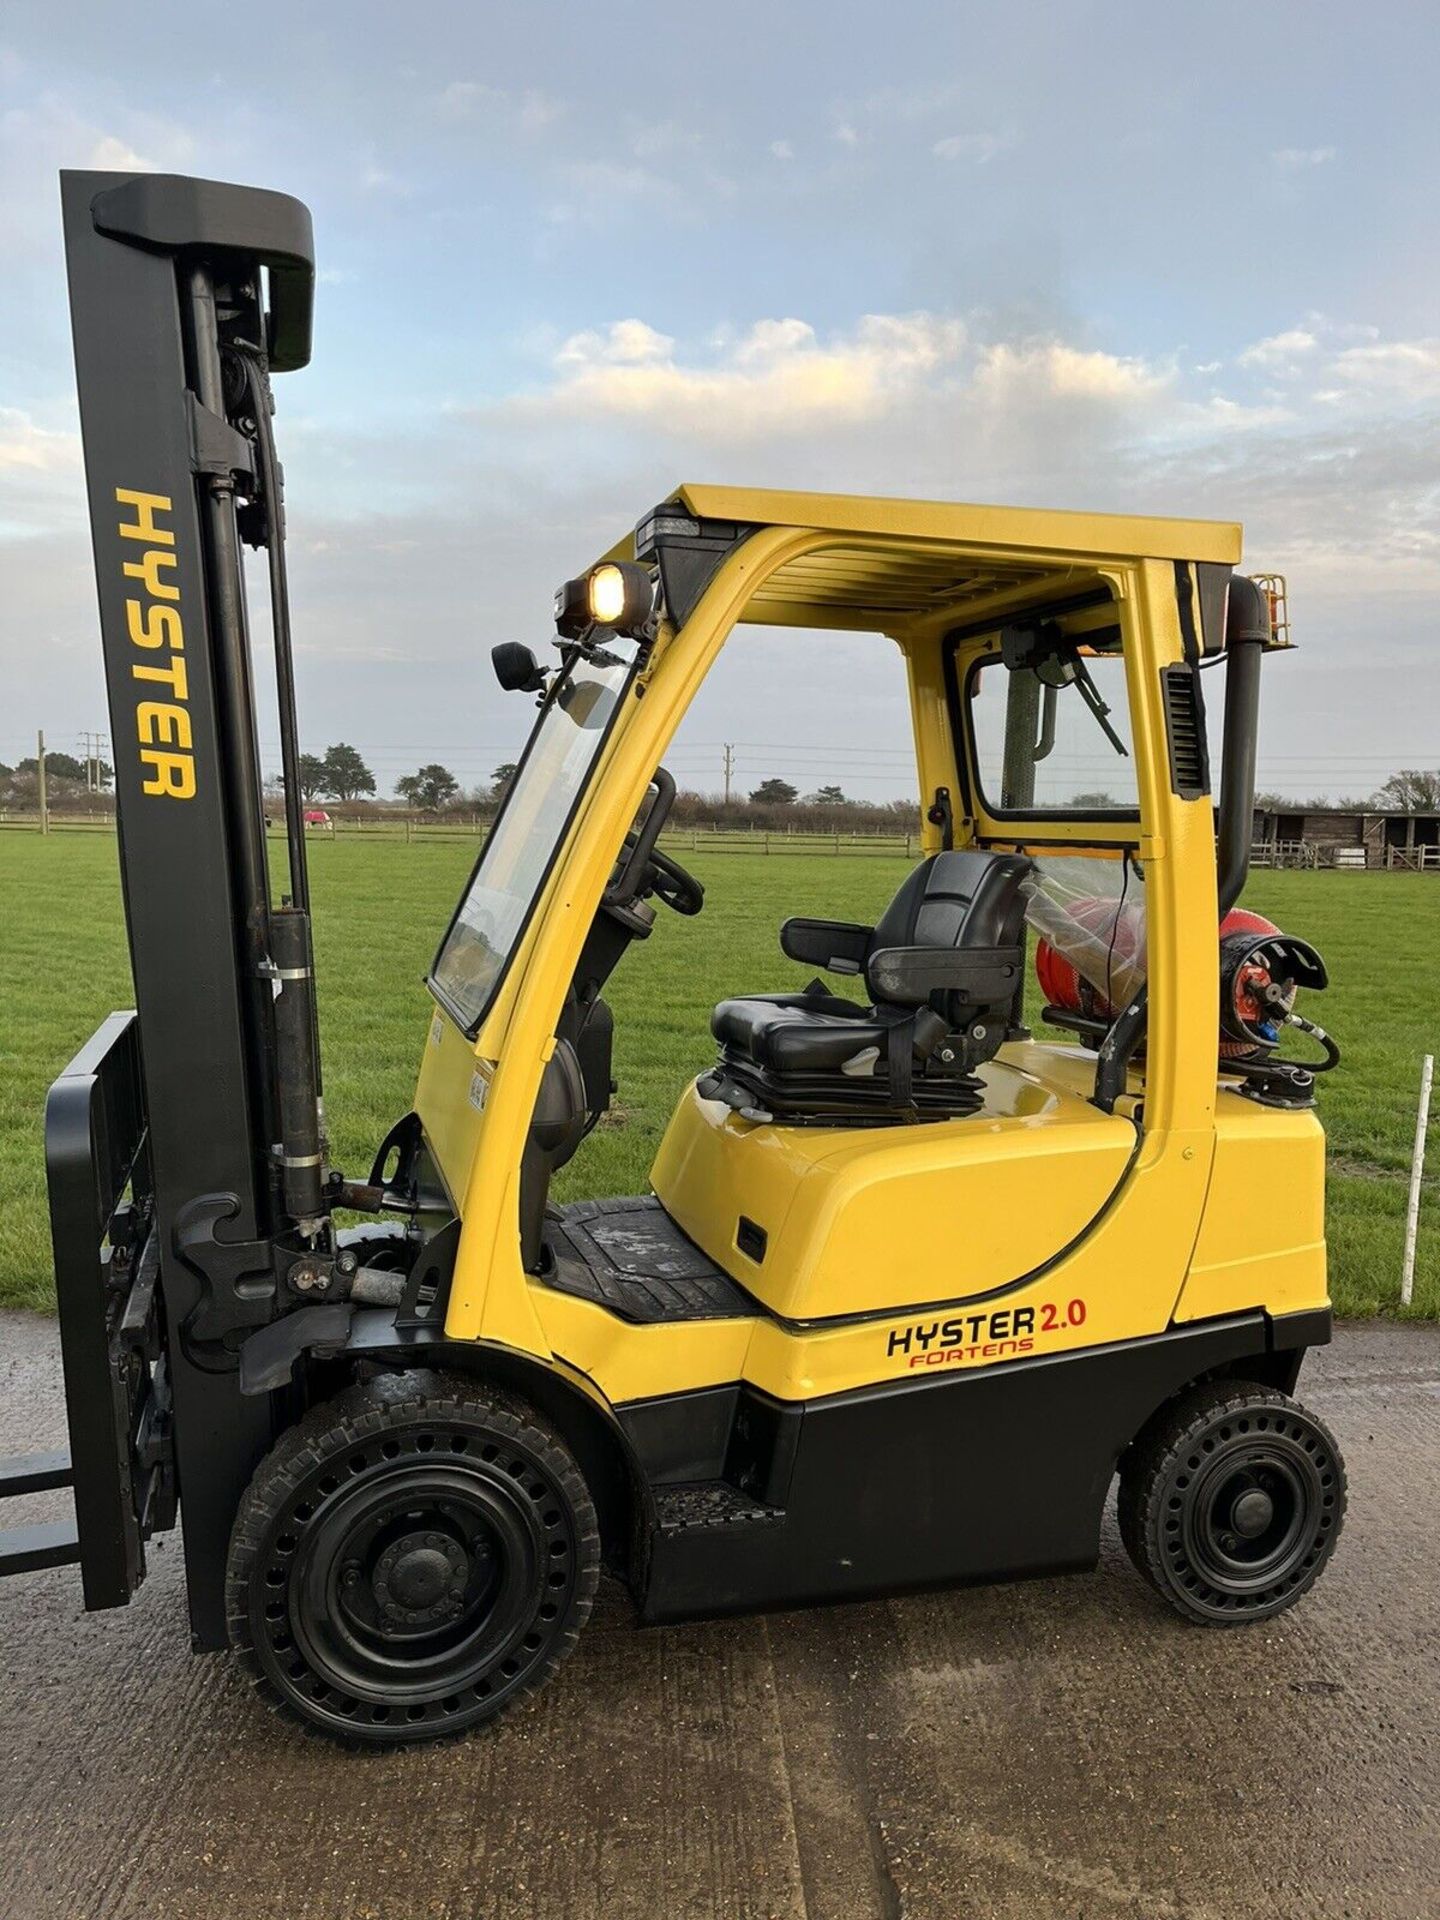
column 776, row 841
column 1413, row 859
column 716, row 838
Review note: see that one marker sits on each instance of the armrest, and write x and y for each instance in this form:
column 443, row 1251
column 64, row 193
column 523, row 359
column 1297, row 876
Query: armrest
column 975, row 976
column 837, row 945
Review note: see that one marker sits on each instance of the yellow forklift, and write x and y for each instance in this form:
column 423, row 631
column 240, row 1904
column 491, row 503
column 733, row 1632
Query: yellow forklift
column 910, row 1284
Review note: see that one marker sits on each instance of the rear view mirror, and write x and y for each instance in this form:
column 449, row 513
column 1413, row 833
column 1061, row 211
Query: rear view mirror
column 516, row 668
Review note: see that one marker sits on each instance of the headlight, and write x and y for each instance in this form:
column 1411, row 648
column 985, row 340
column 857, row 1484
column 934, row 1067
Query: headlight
column 608, row 595
column 616, row 594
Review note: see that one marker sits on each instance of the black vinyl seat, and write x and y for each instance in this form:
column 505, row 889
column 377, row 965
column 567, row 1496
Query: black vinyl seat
column 942, row 965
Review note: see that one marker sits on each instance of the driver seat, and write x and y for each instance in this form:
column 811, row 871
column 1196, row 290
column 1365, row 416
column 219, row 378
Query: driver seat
column 943, row 967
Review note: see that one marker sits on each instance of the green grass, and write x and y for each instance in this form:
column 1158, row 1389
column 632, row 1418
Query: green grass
column 379, row 906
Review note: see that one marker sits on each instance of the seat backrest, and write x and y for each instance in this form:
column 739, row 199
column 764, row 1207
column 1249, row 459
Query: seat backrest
column 967, row 898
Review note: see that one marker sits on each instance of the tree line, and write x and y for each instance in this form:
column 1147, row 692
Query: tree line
column 341, row 774
column 1412, row 790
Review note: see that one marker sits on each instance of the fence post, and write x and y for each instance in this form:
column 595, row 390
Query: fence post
column 1417, row 1170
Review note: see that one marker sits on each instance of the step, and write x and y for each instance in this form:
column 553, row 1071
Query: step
column 710, row 1506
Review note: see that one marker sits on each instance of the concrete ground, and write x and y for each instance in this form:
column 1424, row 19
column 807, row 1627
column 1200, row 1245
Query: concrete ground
column 1062, row 1748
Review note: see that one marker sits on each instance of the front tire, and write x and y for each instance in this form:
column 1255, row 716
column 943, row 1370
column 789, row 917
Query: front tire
column 1231, row 1503
column 409, row 1559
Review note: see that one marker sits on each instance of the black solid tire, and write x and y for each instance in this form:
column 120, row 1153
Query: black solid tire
column 356, row 1484
column 1180, row 1489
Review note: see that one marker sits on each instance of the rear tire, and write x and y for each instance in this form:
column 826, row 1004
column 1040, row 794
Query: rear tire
column 410, row 1559
column 1231, row 1503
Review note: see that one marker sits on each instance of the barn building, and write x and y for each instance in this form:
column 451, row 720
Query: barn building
column 1375, row 838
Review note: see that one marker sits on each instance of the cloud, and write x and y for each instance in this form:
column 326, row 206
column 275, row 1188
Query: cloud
column 777, row 375
column 651, row 139
column 600, row 188
column 53, row 131
column 117, row 156
column 381, row 181
column 40, row 484
column 945, row 406
column 912, row 376
column 908, row 104
column 782, row 150
column 623, row 343
column 531, row 111
column 979, row 147
column 1279, row 349
column 845, row 135
column 1296, row 159
column 1051, row 370
column 536, row 111
column 1342, row 362
column 36, row 449
column 462, row 98
column 1407, row 371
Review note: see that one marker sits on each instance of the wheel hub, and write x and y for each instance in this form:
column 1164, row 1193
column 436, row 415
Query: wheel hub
column 422, row 1577
column 1252, row 1513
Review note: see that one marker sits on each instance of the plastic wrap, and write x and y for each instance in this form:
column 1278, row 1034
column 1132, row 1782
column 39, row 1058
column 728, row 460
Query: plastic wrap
column 1092, row 913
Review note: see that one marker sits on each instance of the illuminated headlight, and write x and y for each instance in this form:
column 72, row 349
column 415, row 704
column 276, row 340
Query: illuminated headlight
column 621, row 595
column 616, row 594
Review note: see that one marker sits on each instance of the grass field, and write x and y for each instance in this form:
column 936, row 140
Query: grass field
column 379, row 907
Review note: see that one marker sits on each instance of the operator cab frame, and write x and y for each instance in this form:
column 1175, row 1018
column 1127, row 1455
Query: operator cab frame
column 959, row 591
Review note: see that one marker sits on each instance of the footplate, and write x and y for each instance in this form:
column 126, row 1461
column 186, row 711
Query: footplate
column 628, row 1255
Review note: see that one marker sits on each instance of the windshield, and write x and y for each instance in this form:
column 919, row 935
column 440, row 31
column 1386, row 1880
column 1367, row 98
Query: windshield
column 523, row 841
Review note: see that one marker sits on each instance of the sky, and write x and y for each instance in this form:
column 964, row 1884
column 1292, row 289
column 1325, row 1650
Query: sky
column 1104, row 256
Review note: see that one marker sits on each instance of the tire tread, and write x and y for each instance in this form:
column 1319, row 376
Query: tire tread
column 1146, row 1467
column 356, row 1416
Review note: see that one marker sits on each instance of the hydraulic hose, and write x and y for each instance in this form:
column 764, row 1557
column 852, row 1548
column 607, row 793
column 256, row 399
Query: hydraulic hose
column 274, row 491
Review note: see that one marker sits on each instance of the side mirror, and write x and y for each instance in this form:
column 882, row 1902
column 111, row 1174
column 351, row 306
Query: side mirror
column 516, row 668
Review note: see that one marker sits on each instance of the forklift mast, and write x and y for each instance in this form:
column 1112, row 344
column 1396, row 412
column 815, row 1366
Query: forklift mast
column 199, row 1119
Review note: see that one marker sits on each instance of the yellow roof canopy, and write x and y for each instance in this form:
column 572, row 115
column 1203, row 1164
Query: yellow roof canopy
column 893, row 561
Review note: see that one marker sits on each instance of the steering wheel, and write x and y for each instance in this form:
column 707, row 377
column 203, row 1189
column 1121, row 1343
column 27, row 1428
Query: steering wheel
column 665, row 878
